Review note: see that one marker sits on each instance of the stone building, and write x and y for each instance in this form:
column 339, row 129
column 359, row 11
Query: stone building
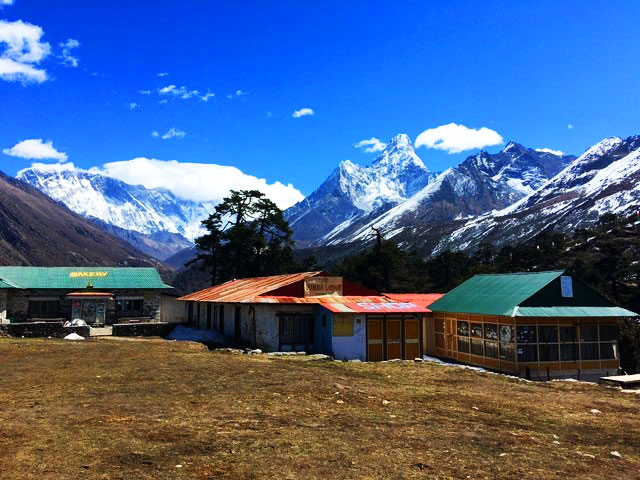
column 97, row 295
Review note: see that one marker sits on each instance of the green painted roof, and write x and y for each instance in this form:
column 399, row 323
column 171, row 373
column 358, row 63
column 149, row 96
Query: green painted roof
column 79, row 277
column 574, row 312
column 497, row 294
column 4, row 284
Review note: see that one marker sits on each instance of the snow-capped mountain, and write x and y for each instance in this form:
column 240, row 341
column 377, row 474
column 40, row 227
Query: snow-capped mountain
column 344, row 208
column 604, row 179
column 353, row 193
column 132, row 207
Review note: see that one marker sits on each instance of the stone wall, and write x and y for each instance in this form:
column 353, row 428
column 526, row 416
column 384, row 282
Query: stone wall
column 43, row 329
column 154, row 329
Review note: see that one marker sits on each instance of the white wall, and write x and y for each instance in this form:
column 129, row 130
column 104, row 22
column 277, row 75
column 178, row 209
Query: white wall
column 353, row 347
column 171, row 310
column 3, row 306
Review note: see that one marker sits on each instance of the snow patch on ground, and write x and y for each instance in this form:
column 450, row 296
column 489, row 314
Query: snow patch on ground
column 74, row 336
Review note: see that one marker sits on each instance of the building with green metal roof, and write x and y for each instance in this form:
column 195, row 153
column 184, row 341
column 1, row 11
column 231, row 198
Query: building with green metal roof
column 538, row 324
column 97, row 295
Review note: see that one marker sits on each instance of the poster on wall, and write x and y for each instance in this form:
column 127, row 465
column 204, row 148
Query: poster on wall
column 315, row 286
column 566, row 286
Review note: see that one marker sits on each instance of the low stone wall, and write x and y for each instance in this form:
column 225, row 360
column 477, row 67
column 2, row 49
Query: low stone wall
column 152, row 329
column 42, row 329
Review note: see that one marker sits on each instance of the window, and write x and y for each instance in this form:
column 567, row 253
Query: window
column 491, row 350
column 568, row 334
column 491, row 331
column 43, row 308
column 296, row 329
column 588, row 333
column 506, row 333
column 130, row 308
column 568, row 352
column 608, row 333
column 528, row 353
column 526, row 334
column 463, row 344
column 609, row 351
column 343, row 325
column 589, row 351
column 477, row 346
column 547, row 334
column 476, row 330
column 439, row 325
column 549, row 352
column 507, row 352
column 463, row 328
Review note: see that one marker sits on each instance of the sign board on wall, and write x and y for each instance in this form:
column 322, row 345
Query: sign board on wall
column 87, row 274
column 566, row 286
column 342, row 325
column 314, row 286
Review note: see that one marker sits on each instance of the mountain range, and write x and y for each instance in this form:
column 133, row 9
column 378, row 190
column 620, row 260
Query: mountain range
column 504, row 197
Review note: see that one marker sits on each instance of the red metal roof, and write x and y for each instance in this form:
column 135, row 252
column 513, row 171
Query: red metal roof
column 247, row 290
column 421, row 299
column 376, row 307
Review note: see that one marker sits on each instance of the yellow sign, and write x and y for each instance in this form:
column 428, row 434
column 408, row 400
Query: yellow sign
column 314, row 286
column 342, row 325
column 87, row 274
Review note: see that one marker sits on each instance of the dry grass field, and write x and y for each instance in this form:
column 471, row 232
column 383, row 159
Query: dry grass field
column 151, row 409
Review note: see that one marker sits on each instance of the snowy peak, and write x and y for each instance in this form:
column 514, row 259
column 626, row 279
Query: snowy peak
column 398, row 155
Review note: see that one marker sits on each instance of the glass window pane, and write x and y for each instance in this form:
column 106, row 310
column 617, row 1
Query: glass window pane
column 476, row 330
column 491, row 350
column 608, row 351
column 608, row 333
column 506, row 333
column 526, row 334
column 568, row 352
column 589, row 351
column 439, row 325
column 548, row 352
column 491, row 331
column 547, row 334
column 527, row 353
column 463, row 328
column 463, row 344
column 507, row 352
column 477, row 347
column 568, row 334
column 588, row 333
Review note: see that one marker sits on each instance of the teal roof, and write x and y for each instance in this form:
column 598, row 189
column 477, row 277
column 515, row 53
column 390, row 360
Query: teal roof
column 531, row 294
column 80, row 277
column 573, row 312
column 497, row 294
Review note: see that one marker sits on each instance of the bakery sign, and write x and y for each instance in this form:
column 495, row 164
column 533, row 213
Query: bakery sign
column 314, row 286
column 87, row 274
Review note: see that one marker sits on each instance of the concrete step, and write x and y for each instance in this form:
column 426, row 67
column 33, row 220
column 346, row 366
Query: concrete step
column 101, row 331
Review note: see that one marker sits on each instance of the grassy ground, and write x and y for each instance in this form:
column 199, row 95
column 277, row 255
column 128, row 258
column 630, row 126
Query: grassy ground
column 164, row 410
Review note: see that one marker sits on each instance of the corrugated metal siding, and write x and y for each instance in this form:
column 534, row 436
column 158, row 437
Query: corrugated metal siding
column 59, row 277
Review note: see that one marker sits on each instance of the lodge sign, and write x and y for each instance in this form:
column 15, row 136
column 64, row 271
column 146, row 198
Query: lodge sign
column 314, row 286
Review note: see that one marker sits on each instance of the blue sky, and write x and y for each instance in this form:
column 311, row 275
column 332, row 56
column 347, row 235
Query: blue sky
column 526, row 70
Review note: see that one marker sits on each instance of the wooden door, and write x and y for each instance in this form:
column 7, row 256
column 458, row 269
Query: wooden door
column 375, row 351
column 394, row 338
column 450, row 327
column 411, row 338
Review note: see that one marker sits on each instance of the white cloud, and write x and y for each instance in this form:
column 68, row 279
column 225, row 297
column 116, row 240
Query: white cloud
column 69, row 60
column 5, row 2
column 191, row 181
column 303, row 112
column 133, row 106
column 162, row 74
column 372, row 145
column 570, row 127
column 553, row 152
column 144, row 92
column 171, row 133
column 35, row 149
column 238, row 93
column 454, row 138
column 178, row 92
column 207, row 96
column 20, row 50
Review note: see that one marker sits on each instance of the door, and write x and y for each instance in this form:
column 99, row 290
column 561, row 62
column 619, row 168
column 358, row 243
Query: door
column 101, row 309
column 411, row 338
column 89, row 311
column 237, row 331
column 394, row 337
column 375, row 350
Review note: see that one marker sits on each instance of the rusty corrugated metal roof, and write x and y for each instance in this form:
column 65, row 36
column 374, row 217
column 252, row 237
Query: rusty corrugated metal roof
column 247, row 290
column 421, row 299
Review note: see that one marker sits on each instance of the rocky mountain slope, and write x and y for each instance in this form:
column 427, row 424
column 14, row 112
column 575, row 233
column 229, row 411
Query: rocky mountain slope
column 398, row 194
column 36, row 230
